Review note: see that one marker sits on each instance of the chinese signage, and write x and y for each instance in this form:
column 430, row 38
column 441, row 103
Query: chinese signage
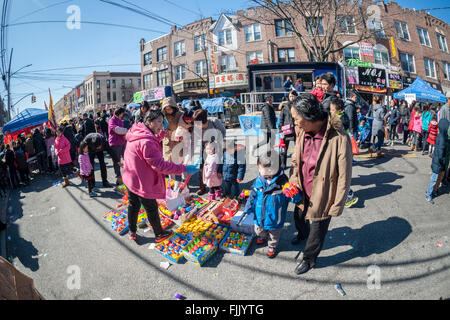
column 152, row 94
column 372, row 77
column 407, row 81
column 352, row 76
column 366, row 49
column 187, row 85
column 395, row 81
column 229, row 80
column 358, row 63
column 371, row 89
column 435, row 86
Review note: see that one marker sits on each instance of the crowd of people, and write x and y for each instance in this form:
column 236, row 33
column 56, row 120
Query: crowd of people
column 155, row 142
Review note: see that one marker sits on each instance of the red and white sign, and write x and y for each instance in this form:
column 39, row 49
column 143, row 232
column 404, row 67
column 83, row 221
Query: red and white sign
column 366, row 49
column 226, row 80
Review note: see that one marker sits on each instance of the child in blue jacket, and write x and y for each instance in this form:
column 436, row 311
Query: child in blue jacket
column 268, row 202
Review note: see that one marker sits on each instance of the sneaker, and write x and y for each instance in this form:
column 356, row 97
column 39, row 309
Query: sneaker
column 93, row 194
column 271, row 253
column 430, row 200
column 352, row 202
column 97, row 190
column 163, row 236
column 260, row 241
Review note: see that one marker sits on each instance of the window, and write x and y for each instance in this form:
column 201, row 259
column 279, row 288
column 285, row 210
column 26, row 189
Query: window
column 446, row 68
column 108, row 84
column 162, row 54
column 123, row 97
column 122, row 84
column 225, row 37
column 180, row 72
column 139, row 84
column 108, row 96
column 402, row 30
column 424, row 38
column 381, row 57
column 162, row 78
column 131, row 83
column 98, row 84
column 114, row 96
column 253, row 56
column 148, row 58
column 376, row 27
column 200, row 67
column 286, row 55
column 148, row 81
column 314, row 26
column 351, row 53
column 252, row 32
column 442, row 42
column 407, row 62
column 429, row 68
column 99, row 98
column 346, row 24
column 227, row 63
column 283, row 28
column 114, row 84
column 199, row 42
column 180, row 49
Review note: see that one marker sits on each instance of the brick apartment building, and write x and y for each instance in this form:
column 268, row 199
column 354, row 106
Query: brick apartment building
column 404, row 44
column 99, row 90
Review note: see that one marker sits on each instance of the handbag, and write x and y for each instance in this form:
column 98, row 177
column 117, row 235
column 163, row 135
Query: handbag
column 287, row 130
column 355, row 149
column 400, row 127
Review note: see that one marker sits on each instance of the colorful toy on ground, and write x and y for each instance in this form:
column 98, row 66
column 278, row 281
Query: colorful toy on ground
column 193, row 228
column 237, row 243
column 119, row 221
column 170, row 249
column 202, row 247
column 290, row 190
column 124, row 199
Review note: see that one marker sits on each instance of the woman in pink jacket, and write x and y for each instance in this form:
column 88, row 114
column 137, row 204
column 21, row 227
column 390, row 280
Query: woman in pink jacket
column 144, row 170
column 62, row 151
column 417, row 128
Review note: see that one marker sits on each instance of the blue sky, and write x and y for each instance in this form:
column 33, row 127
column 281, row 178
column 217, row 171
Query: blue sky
column 53, row 45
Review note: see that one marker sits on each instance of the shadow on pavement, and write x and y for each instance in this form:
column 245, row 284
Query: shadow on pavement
column 373, row 238
column 23, row 249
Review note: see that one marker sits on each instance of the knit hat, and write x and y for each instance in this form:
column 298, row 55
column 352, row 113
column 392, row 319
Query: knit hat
column 169, row 102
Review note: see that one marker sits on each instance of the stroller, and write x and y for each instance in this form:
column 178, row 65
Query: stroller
column 364, row 133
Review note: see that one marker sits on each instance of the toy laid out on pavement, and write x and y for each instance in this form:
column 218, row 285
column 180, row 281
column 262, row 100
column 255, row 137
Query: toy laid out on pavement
column 170, row 249
column 237, row 243
column 202, row 247
column 244, row 195
column 193, row 228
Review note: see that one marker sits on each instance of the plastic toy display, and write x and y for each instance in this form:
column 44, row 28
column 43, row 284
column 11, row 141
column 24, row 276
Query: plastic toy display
column 193, row 228
column 170, row 249
column 236, row 243
column 244, row 195
column 202, row 247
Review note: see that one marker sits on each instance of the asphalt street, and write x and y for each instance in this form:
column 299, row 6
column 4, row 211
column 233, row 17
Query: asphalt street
column 391, row 245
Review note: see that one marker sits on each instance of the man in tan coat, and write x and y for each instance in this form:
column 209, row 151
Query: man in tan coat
column 322, row 168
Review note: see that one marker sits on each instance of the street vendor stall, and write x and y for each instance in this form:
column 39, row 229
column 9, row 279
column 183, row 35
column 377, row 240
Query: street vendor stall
column 421, row 91
column 24, row 122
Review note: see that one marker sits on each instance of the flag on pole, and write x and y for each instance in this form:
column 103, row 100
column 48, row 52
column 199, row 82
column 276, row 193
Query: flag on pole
column 45, row 104
column 51, row 112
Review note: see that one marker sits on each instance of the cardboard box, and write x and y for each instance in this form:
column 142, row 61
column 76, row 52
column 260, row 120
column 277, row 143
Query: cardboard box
column 246, row 225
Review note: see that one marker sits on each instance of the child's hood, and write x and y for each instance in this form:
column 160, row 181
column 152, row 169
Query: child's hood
column 279, row 180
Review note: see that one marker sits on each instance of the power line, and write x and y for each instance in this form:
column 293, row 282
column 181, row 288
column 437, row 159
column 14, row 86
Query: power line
column 178, row 6
column 86, row 67
column 87, row 22
column 42, row 9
